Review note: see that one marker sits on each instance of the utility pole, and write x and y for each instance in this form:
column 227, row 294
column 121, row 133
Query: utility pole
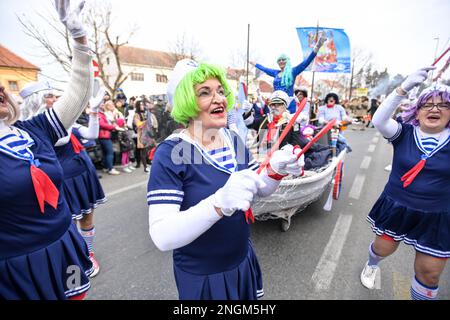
column 248, row 50
column 351, row 80
column 312, row 82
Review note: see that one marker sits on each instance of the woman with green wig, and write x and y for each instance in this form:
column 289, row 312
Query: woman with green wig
column 284, row 78
column 202, row 181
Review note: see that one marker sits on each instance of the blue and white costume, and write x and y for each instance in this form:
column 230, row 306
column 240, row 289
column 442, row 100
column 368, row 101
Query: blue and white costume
column 277, row 81
column 220, row 263
column 418, row 214
column 39, row 251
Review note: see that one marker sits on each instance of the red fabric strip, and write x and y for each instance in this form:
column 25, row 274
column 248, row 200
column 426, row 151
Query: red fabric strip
column 76, row 144
column 44, row 188
column 409, row 177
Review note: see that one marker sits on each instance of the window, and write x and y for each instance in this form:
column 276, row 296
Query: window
column 137, row 76
column 161, row 78
column 13, row 86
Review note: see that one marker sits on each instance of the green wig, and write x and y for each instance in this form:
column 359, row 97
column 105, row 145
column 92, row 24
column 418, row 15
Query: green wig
column 185, row 105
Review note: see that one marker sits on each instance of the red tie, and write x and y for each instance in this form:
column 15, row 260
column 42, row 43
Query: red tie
column 44, row 188
column 409, row 177
column 249, row 214
column 77, row 146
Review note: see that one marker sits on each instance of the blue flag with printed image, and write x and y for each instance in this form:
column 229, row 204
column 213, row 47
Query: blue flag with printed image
column 334, row 55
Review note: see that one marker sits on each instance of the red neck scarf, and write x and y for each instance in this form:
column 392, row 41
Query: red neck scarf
column 272, row 128
column 409, row 177
column 44, row 188
column 76, row 144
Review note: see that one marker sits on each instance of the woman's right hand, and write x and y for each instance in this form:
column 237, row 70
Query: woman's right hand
column 238, row 192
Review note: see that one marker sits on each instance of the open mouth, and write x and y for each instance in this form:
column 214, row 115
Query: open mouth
column 218, row 111
column 434, row 117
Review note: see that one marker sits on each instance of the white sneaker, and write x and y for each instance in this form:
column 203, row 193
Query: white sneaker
column 113, row 172
column 369, row 275
column 127, row 170
column 131, row 167
column 388, row 168
column 147, row 169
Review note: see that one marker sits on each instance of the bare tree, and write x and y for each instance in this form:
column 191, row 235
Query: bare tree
column 360, row 59
column 185, row 47
column 106, row 44
column 103, row 41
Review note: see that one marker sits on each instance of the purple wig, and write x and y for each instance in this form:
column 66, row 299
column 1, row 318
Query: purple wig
column 437, row 90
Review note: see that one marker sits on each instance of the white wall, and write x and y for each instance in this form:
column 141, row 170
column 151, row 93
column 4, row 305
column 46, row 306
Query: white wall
column 149, row 86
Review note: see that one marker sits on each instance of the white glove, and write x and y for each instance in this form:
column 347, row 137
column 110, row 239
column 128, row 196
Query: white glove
column 416, row 78
column 301, row 118
column 238, row 192
column 97, row 98
column 246, row 106
column 284, row 161
column 320, row 42
column 71, row 18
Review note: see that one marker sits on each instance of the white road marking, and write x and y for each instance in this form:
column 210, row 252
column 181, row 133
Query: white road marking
column 375, row 140
column 324, row 272
column 357, row 186
column 377, row 134
column 128, row 188
column 371, row 148
column 366, row 162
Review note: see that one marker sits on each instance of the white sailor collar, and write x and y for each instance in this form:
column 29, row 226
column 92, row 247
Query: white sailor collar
column 205, row 154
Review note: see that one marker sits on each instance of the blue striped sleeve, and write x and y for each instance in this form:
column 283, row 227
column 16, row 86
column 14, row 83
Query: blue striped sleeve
column 165, row 185
column 45, row 125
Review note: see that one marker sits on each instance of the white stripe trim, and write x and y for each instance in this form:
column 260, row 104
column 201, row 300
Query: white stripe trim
column 164, row 199
column 54, row 122
column 413, row 242
column 165, row 191
column 74, row 291
column 397, row 134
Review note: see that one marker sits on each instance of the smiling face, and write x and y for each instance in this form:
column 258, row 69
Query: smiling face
column 433, row 115
column 212, row 103
column 282, row 63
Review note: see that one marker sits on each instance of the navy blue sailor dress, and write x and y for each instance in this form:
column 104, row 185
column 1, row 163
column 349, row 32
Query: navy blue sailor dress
column 42, row 255
column 221, row 263
column 81, row 186
column 419, row 214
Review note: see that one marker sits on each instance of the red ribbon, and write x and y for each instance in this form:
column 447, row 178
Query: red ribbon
column 44, row 188
column 76, row 144
column 272, row 128
column 409, row 177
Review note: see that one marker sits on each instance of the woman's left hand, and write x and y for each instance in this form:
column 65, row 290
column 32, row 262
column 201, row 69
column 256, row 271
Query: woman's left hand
column 71, row 18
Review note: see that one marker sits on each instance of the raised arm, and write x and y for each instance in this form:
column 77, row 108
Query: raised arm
column 302, row 66
column 382, row 119
column 75, row 98
column 271, row 72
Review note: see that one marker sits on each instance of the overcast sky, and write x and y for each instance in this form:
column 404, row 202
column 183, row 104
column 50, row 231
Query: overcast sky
column 400, row 33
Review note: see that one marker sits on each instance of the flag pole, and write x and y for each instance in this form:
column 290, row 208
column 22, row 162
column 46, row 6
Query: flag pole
column 314, row 72
column 248, row 50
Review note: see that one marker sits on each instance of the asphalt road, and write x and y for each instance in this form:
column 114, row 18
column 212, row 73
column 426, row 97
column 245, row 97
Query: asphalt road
column 319, row 257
